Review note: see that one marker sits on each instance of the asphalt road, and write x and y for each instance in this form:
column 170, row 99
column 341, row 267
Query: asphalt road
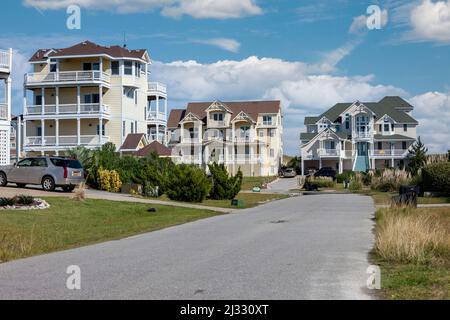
column 308, row 247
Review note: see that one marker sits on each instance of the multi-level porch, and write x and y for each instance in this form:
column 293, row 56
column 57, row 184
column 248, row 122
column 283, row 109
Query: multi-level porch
column 5, row 105
column 156, row 112
column 56, row 135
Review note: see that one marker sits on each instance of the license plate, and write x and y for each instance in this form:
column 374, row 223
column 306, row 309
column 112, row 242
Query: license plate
column 76, row 174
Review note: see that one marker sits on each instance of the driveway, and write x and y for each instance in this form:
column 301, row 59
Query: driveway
column 307, row 247
column 282, row 185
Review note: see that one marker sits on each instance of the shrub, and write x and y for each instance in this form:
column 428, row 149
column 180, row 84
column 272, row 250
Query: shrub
column 356, row 183
column 417, row 157
column 322, row 182
column 345, row 176
column 436, row 177
column 390, row 180
column 188, row 183
column 224, row 187
column 405, row 236
column 109, row 180
column 24, row 200
column 7, row 202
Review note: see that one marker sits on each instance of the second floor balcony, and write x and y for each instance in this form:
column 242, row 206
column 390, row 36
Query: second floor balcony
column 157, row 89
column 156, row 116
column 388, row 153
column 67, row 77
column 5, row 60
column 67, row 109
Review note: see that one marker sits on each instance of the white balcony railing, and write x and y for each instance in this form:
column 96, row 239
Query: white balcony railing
column 388, row 153
column 329, row 152
column 3, row 111
column 67, row 76
column 5, row 59
column 50, row 109
column 86, row 140
column 363, row 135
column 154, row 115
column 157, row 87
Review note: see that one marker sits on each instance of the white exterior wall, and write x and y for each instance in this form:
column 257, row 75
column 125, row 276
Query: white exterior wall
column 5, row 119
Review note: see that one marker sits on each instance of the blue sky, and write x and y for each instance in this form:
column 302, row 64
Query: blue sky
column 309, row 54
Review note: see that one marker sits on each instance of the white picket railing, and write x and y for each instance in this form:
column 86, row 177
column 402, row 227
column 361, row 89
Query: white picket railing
column 5, row 59
column 85, row 140
column 157, row 87
column 154, row 115
column 68, row 76
column 388, row 153
column 50, row 109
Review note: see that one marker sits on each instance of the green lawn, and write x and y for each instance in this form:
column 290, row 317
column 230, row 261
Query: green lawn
column 248, row 183
column 69, row 223
column 405, row 281
column 250, row 200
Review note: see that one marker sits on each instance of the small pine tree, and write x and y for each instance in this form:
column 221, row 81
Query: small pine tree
column 224, row 187
column 418, row 157
column 188, row 183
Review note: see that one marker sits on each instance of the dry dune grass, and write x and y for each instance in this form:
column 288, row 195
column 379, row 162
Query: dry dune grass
column 412, row 236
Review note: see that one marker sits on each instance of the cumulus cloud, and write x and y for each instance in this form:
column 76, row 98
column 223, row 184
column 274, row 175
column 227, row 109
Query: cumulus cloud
column 430, row 21
column 222, row 43
column 432, row 109
column 218, row 9
column 201, row 9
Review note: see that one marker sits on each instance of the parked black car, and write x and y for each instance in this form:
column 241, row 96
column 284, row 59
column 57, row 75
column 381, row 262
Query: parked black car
column 326, row 172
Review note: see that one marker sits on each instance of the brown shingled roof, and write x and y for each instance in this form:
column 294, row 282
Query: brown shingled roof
column 176, row 115
column 155, row 146
column 90, row 48
column 132, row 141
column 251, row 108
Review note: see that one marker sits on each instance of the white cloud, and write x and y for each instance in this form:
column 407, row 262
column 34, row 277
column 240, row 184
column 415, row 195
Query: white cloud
column 218, row 9
column 222, row 43
column 201, row 9
column 432, row 109
column 430, row 21
column 359, row 23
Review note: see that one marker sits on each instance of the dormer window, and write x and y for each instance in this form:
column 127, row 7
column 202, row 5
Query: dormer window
column 405, row 127
column 217, row 116
column 267, row 120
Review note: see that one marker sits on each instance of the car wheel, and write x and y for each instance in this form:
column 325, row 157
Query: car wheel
column 68, row 188
column 3, row 180
column 21, row 185
column 48, row 184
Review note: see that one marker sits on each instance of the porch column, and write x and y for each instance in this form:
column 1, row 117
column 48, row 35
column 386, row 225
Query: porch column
column 24, row 124
column 100, row 98
column 25, row 111
column 157, row 107
column 18, row 138
column 157, row 132
column 165, row 121
column 251, row 161
column 57, row 132
column 42, row 132
column 393, row 154
column 43, row 101
column 100, row 131
column 341, row 166
column 78, row 99
column 320, row 162
column 78, row 132
column 57, row 99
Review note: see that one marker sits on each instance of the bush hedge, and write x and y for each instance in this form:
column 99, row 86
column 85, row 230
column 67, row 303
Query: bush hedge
column 188, row 183
column 224, row 187
column 436, row 177
column 345, row 176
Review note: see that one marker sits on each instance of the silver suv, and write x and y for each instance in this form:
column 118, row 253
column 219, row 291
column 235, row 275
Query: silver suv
column 50, row 172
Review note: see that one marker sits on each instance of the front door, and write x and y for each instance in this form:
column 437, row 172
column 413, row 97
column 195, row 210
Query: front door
column 363, row 148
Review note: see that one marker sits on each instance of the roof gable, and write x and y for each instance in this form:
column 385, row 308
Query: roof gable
column 133, row 142
column 218, row 106
column 242, row 116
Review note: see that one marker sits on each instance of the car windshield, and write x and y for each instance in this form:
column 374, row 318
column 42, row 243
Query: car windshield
column 69, row 163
